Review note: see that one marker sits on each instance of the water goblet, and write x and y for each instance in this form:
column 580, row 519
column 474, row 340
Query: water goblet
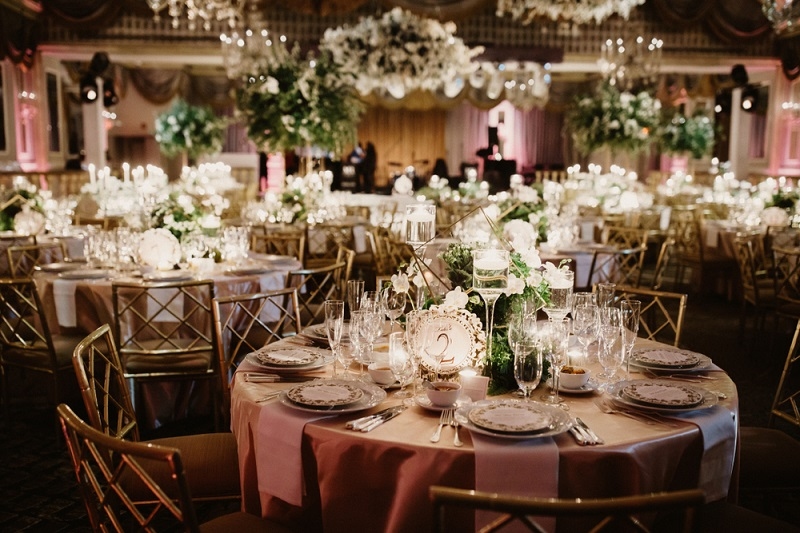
column 334, row 322
column 582, row 298
column 584, row 326
column 394, row 303
column 561, row 285
column 400, row 362
column 528, row 365
column 630, row 311
column 553, row 337
column 347, row 353
column 415, row 321
column 490, row 280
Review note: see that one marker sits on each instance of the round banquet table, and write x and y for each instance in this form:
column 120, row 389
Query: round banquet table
column 345, row 480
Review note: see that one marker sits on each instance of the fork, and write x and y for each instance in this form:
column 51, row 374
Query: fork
column 647, row 418
column 442, row 422
column 456, row 425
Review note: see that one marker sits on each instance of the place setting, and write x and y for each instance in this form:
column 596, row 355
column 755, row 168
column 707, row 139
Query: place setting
column 661, row 396
column 332, row 395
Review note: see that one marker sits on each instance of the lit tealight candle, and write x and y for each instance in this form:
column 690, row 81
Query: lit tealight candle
column 126, row 172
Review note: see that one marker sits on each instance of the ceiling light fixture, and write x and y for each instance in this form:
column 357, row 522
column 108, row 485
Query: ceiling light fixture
column 582, row 12
column 784, row 15
column 204, row 11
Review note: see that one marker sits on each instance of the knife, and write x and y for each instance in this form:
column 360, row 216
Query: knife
column 590, row 431
column 575, row 432
column 384, row 418
column 359, row 423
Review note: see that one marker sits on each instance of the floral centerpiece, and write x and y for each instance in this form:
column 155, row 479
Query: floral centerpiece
column 581, row 12
column 693, row 135
column 305, row 199
column 289, row 102
column 21, row 203
column 191, row 129
column 401, row 52
column 619, row 120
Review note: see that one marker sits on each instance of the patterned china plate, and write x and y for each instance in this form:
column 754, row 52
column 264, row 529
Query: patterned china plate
column 285, row 356
column 657, row 397
column 517, row 417
column 371, row 395
column 319, row 361
column 325, row 393
column 560, row 420
column 669, row 359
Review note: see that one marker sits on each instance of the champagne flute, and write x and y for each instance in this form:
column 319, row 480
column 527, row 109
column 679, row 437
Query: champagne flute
column 357, row 340
column 400, row 362
column 630, row 311
column 582, row 298
column 561, row 284
column 527, row 365
column 605, row 294
column 414, row 323
column 334, row 322
column 490, row 279
column 554, row 337
column 355, row 291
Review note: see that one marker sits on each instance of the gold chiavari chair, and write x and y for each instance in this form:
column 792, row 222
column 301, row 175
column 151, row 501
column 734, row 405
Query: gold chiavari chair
column 6, row 242
column 23, row 260
column 109, row 470
column 786, row 264
column 247, row 322
column 292, row 243
column 314, row 286
column 662, row 313
column 756, row 278
column 211, row 459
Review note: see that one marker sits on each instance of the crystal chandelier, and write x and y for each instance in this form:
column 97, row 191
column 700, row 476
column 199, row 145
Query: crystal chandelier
column 525, row 84
column 203, row 11
column 632, row 64
column 784, row 15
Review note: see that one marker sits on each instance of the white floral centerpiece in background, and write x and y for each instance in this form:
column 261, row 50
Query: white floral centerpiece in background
column 195, row 130
column 579, row 12
column 401, row 52
column 22, row 205
column 614, row 119
column 305, row 199
column 692, row 135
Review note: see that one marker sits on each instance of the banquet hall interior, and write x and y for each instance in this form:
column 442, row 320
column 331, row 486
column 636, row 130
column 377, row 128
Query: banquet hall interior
column 652, row 144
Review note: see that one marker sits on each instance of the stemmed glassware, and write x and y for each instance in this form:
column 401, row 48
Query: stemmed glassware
column 357, row 341
column 420, row 226
column 334, row 323
column 394, row 304
column 370, row 329
column 582, row 298
column 401, row 362
column 528, row 362
column 560, row 303
column 630, row 311
column 414, row 340
column 609, row 330
column 605, row 294
column 490, row 280
column 584, row 325
column 355, row 291
column 553, row 337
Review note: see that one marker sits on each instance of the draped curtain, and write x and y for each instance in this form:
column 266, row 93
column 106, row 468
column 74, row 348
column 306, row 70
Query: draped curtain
column 19, row 36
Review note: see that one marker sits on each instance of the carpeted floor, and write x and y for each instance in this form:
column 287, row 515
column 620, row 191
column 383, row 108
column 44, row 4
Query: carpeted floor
column 38, row 492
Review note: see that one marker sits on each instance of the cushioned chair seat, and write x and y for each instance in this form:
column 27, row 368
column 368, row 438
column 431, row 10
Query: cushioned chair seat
column 174, row 363
column 764, row 462
column 63, row 346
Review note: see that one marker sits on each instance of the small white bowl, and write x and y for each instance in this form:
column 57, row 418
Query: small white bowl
column 444, row 393
column 381, row 373
column 573, row 377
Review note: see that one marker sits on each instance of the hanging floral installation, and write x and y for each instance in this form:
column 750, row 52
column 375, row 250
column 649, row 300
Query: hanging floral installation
column 579, row 12
column 687, row 135
column 619, row 120
column 290, row 102
column 400, row 53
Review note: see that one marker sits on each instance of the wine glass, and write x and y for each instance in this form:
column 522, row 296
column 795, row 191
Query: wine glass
column 414, row 337
column 334, row 322
column 561, row 285
column 394, row 303
column 605, row 294
column 584, row 325
column 630, row 311
column 369, row 328
column 357, row 341
column 400, row 362
column 527, row 365
column 490, row 280
column 554, row 337
column 609, row 330
column 355, row 291
column 582, row 298
column 420, row 226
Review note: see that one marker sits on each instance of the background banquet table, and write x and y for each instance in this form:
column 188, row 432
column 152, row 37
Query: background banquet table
column 378, row 481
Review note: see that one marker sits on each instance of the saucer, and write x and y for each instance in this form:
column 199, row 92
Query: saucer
column 589, row 387
column 423, row 401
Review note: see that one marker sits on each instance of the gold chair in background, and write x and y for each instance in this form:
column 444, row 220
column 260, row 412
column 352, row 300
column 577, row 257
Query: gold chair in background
column 323, row 242
column 786, row 264
column 314, row 286
column 756, row 278
column 291, row 243
column 606, row 514
column 6, row 242
column 247, row 322
column 662, row 313
column 23, row 260
column 211, row 459
column 27, row 343
column 113, row 475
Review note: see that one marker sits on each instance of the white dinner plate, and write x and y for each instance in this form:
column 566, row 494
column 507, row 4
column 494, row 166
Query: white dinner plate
column 168, row 275
column 285, row 357
column 658, row 360
column 709, row 399
column 61, row 266
column 251, row 270
column 561, row 421
column 322, row 360
column 371, row 396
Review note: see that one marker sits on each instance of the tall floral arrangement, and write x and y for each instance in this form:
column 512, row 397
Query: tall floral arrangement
column 21, row 200
column 681, row 134
column 401, row 52
column 290, row 102
column 195, row 130
column 619, row 120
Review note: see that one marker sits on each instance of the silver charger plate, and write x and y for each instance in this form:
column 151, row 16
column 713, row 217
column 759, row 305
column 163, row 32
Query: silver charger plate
column 61, row 266
column 371, row 396
column 589, row 387
column 561, row 421
column 703, row 361
column 709, row 400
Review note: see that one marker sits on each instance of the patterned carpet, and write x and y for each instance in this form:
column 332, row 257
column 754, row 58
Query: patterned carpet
column 38, row 492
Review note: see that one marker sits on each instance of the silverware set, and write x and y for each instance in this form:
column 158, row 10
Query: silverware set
column 583, row 434
column 447, row 418
column 366, row 424
column 606, row 406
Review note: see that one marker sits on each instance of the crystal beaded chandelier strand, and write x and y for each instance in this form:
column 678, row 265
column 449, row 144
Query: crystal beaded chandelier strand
column 784, row 15
column 630, row 64
column 203, row 11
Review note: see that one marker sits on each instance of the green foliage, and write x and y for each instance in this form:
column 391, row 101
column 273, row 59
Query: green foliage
column 191, row 129
column 693, row 135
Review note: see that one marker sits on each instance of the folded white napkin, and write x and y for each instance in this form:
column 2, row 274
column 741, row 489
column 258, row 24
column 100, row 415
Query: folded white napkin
column 278, row 447
column 505, row 466
column 64, row 296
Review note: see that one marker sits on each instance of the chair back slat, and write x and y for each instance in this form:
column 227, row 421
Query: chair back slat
column 23, row 260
